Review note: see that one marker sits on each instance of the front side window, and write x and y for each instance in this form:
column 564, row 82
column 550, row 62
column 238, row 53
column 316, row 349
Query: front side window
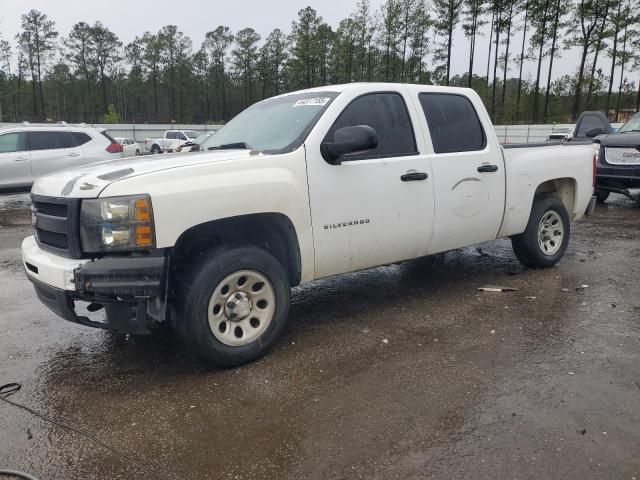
column 13, row 142
column 387, row 114
column 275, row 125
column 182, row 136
column 50, row 140
column 453, row 123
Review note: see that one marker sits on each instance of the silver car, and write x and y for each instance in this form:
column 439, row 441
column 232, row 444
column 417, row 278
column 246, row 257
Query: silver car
column 28, row 151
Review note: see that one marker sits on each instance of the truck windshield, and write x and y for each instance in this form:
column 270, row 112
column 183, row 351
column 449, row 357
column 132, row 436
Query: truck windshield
column 633, row 125
column 276, row 125
column 191, row 134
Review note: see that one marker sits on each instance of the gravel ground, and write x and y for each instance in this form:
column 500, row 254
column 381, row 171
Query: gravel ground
column 396, row 372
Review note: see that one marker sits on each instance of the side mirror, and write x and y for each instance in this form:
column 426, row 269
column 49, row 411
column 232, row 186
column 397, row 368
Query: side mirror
column 346, row 140
column 594, row 132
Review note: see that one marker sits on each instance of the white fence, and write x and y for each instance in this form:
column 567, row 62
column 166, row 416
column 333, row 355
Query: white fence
column 140, row 131
column 506, row 133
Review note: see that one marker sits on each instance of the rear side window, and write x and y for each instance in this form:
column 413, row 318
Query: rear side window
column 50, row 140
column 388, row 115
column 453, row 123
column 81, row 138
column 587, row 123
column 171, row 135
column 13, row 142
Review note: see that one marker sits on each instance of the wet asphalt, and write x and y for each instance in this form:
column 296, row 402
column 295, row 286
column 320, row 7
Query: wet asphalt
column 397, row 372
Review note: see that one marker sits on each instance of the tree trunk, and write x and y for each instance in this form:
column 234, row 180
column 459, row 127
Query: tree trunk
column 622, row 65
column 155, row 96
column 472, row 48
column 449, row 42
column 595, row 57
column 576, row 100
column 553, row 53
column 493, row 16
column 614, row 51
column 524, row 38
column 536, row 90
column 495, row 68
column 103, row 80
column 593, row 73
column 506, row 62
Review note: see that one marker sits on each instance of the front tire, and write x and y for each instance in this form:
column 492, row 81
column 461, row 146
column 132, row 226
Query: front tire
column 233, row 306
column 545, row 240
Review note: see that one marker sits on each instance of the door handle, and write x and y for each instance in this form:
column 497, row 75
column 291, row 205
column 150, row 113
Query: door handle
column 413, row 176
column 73, row 154
column 486, row 168
column 20, row 159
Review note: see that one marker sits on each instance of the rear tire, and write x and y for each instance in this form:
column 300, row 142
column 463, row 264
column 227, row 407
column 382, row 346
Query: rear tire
column 155, row 149
column 233, row 305
column 545, row 240
column 601, row 195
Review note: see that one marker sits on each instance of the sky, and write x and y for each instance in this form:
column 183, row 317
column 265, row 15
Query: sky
column 130, row 18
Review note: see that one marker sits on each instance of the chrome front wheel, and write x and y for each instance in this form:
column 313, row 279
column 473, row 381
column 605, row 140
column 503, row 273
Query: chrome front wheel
column 550, row 233
column 241, row 308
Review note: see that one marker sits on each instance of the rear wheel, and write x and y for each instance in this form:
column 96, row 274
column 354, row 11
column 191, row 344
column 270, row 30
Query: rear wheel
column 546, row 237
column 233, row 306
column 601, row 195
column 156, row 149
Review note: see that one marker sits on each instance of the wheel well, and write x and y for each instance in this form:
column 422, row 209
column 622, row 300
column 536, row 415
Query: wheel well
column 273, row 232
column 562, row 188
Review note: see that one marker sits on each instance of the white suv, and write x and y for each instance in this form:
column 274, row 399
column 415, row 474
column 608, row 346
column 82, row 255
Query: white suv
column 28, row 151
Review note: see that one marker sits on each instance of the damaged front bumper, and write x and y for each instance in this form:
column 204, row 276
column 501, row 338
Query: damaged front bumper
column 132, row 290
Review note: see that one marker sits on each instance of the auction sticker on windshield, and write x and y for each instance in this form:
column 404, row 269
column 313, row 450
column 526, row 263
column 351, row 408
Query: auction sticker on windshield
column 312, row 102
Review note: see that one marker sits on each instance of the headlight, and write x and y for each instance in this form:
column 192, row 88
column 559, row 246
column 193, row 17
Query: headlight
column 117, row 224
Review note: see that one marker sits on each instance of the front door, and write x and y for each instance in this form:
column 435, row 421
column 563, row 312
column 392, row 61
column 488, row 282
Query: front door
column 375, row 207
column 52, row 151
column 15, row 167
column 468, row 172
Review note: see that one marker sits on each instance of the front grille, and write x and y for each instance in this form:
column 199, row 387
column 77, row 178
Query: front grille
column 51, row 209
column 53, row 239
column 56, row 225
column 622, row 155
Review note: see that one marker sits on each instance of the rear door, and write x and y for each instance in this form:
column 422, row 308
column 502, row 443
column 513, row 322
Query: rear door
column 368, row 211
column 15, row 165
column 468, row 171
column 53, row 150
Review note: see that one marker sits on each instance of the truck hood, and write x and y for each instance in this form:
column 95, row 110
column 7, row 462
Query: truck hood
column 88, row 181
column 631, row 139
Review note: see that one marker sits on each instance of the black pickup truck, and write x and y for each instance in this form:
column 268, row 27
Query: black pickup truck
column 618, row 165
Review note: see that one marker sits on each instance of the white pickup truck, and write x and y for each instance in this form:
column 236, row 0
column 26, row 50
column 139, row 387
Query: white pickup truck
column 171, row 140
column 300, row 186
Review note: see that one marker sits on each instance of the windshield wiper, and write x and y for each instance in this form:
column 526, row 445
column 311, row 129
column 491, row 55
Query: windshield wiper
column 632, row 130
column 231, row 146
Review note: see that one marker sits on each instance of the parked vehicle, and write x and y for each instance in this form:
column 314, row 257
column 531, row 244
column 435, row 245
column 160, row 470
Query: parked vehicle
column 590, row 125
column 130, row 147
column 618, row 167
column 28, row 151
column 297, row 187
column 195, row 144
column 170, row 141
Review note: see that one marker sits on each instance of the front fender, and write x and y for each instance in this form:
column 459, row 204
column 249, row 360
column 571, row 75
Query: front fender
column 192, row 195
